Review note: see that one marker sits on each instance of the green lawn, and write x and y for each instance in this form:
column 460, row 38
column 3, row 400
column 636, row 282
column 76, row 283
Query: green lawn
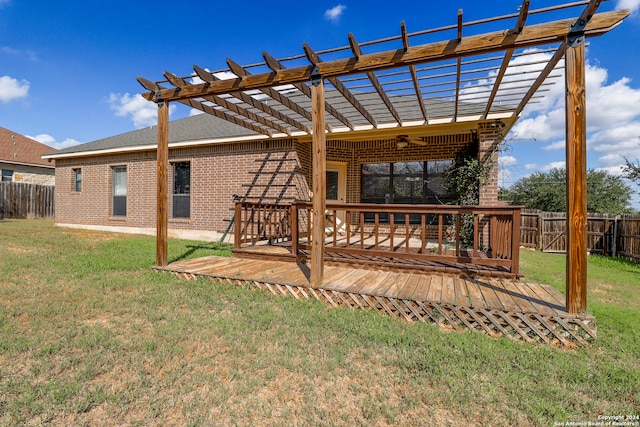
column 91, row 335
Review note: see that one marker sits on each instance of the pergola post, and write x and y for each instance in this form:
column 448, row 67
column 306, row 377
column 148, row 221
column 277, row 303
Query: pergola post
column 319, row 165
column 576, row 158
column 162, row 211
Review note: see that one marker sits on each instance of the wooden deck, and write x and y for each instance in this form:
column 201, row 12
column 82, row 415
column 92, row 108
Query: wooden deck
column 427, row 264
column 497, row 306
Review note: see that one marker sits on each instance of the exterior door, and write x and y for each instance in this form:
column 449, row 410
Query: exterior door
column 336, row 182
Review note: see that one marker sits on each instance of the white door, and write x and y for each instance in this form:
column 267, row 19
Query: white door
column 336, row 183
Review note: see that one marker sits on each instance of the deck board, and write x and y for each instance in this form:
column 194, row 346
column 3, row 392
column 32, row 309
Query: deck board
column 448, row 295
column 475, row 295
column 495, row 306
column 423, row 287
column 435, row 290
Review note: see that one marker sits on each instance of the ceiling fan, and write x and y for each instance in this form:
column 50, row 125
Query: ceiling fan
column 403, row 141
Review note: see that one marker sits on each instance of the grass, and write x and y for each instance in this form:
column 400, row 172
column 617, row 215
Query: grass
column 90, row 335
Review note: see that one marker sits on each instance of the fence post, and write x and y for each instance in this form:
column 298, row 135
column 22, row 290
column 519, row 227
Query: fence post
column 540, row 231
column 614, row 251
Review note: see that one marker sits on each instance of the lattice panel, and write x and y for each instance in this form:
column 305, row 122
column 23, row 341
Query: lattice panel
column 528, row 327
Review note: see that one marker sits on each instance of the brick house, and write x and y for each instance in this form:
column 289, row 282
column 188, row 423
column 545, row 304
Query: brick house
column 21, row 159
column 110, row 184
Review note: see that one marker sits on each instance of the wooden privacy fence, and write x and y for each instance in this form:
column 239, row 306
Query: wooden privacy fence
column 21, row 200
column 609, row 235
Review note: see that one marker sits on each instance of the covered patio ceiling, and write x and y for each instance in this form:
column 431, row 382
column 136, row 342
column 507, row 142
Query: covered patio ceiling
column 463, row 72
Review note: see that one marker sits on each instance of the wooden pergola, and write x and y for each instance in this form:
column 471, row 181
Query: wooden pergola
column 407, row 83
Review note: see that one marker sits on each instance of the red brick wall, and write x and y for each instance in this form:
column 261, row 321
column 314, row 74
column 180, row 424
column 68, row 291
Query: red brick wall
column 259, row 171
column 267, row 171
column 489, row 136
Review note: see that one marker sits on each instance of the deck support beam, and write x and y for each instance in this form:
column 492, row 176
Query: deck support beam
column 318, row 153
column 576, row 153
column 162, row 211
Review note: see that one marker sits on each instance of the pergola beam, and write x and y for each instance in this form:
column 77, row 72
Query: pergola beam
column 193, row 103
column 414, row 75
column 542, row 77
column 522, row 18
column 206, row 76
column 316, row 62
column 534, row 35
column 458, row 70
column 357, row 52
column 180, row 82
column 240, row 71
column 276, row 65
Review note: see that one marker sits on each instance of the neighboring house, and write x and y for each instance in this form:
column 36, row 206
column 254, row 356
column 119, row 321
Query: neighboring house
column 111, row 183
column 21, row 159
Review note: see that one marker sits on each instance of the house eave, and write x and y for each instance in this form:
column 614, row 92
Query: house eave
column 33, row 165
column 153, row 147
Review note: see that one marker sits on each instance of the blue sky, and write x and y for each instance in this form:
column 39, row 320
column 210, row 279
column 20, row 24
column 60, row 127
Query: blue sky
column 68, row 69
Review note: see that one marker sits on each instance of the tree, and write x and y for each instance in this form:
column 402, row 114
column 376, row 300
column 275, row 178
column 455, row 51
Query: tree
column 606, row 193
column 632, row 170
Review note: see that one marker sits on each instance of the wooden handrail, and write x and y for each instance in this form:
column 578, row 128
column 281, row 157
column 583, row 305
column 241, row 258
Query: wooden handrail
column 410, row 232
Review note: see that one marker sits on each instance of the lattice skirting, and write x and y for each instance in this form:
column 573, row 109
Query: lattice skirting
column 529, row 327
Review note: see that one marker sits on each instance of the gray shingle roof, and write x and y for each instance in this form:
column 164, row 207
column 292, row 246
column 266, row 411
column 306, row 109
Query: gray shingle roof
column 194, row 128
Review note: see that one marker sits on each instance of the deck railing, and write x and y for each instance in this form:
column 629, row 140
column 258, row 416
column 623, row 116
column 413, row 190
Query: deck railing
column 461, row 234
column 256, row 222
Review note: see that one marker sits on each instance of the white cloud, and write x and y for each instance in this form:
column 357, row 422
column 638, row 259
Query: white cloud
column 143, row 113
column 506, row 161
column 335, row 13
column 195, row 112
column 554, row 165
column 17, row 52
column 530, row 166
column 558, row 145
column 504, row 174
column 613, row 120
column 49, row 140
column 12, row 89
column 634, row 5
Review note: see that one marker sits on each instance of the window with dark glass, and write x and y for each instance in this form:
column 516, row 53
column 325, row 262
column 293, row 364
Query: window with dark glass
column 77, row 180
column 7, row 175
column 181, row 190
column 119, row 179
column 406, row 183
column 332, row 185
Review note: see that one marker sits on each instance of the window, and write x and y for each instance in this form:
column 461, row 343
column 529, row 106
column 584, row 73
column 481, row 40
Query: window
column 7, row 175
column 77, row 180
column 119, row 191
column 181, row 190
column 406, row 183
column 332, row 184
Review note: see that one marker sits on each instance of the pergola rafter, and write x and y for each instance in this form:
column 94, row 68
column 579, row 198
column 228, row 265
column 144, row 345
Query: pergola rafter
column 206, row 76
column 414, row 74
column 193, row 103
column 217, row 99
column 522, row 18
column 315, row 60
column 276, row 65
column 372, row 92
column 357, row 52
column 240, row 71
